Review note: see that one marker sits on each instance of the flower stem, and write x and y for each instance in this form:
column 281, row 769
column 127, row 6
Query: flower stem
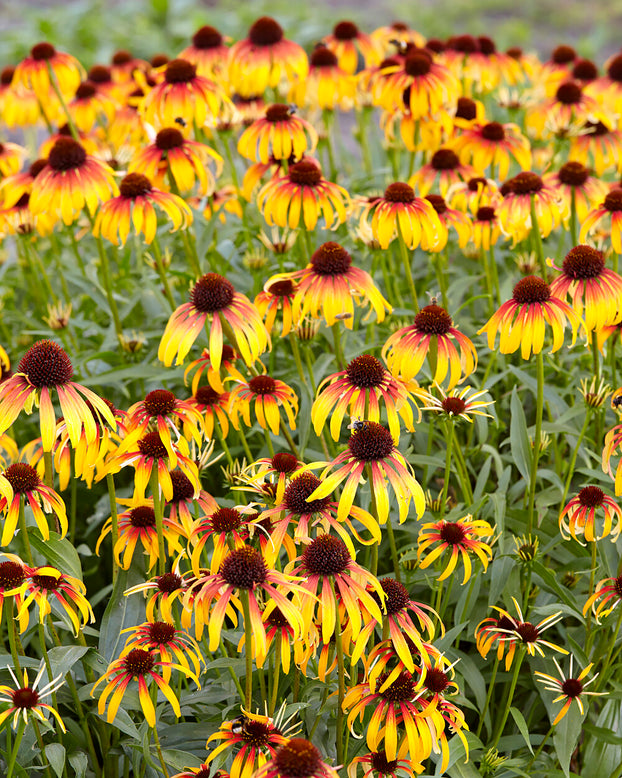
column 573, row 223
column 341, row 675
column 24, row 532
column 112, row 498
column 275, row 676
column 612, row 644
column 18, row 739
column 536, row 440
column 157, row 509
column 589, row 633
column 248, row 637
column 157, row 255
column 573, row 460
column 548, row 734
column 156, row 740
column 508, row 702
column 407, row 268
column 290, row 441
column 112, row 303
column 537, row 239
column 338, row 350
column 450, row 444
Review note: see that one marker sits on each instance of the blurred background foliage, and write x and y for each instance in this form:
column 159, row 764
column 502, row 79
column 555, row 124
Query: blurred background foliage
column 93, row 29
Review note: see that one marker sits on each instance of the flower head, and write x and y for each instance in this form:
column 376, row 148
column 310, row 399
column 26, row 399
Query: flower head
column 214, row 299
column 406, row 349
column 298, row 758
column 25, row 699
column 520, row 321
column 568, row 689
column 579, row 515
column 463, row 537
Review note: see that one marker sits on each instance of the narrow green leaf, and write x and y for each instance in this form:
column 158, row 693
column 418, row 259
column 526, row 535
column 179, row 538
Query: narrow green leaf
column 519, row 719
column 519, row 440
column 57, row 552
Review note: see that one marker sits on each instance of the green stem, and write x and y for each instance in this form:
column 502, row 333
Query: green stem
column 589, row 633
column 536, row 440
column 159, row 516
column 337, row 341
column 573, row 460
column 48, row 475
column 341, row 676
column 275, row 675
column 290, row 441
column 24, row 533
column 18, row 739
column 508, row 703
column 495, row 274
column 157, row 255
column 363, row 128
column 573, row 218
column 406, row 262
column 248, row 653
column 244, row 442
column 266, row 433
column 537, row 239
column 61, row 100
column 112, row 303
column 156, row 740
column 112, row 498
column 546, row 737
column 596, row 369
column 449, row 443
column 612, row 643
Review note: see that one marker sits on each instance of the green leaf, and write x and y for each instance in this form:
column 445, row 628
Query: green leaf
column 519, row 440
column 58, row 552
column 55, row 754
column 121, row 612
column 551, row 583
column 566, row 737
column 63, row 658
column 522, row 726
column 79, row 761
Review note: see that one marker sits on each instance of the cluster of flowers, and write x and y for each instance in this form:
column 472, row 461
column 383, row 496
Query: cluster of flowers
column 285, row 562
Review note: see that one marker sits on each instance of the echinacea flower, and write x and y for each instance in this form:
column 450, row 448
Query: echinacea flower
column 214, row 409
column 71, row 180
column 399, row 211
column 326, row 566
column 463, row 537
column 264, row 59
column 579, row 516
column 520, row 321
column 402, row 631
column 449, row 218
column 525, row 191
column 299, row 758
column 47, row 585
column 348, row 43
column 303, row 192
column 568, row 689
column 243, row 573
column 372, row 448
column 45, row 366
column 44, row 63
column 575, row 183
column 183, row 92
column 486, row 229
column 26, row 487
column 330, row 287
column 213, row 299
column 407, row 349
column 149, row 453
column 11, row 158
column 376, row 765
column 24, row 699
column 13, row 583
column 599, row 144
column 457, row 404
column 141, row 665
column 326, row 86
column 296, row 508
column 399, row 703
column 169, row 641
column 226, row 528
column 358, row 390
column 185, row 160
column 277, row 294
column 608, row 595
column 138, row 523
column 134, row 207
column 166, row 590
column 208, row 52
column 443, row 170
column 570, row 104
column 91, row 106
column 516, row 632
column 279, row 134
column 267, row 395
column 19, row 106
column 611, row 206
column 257, row 738
column 203, row 364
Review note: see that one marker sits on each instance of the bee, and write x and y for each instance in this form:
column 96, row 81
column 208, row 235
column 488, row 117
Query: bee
column 343, row 316
column 181, row 121
column 616, row 399
column 238, row 724
column 357, row 424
